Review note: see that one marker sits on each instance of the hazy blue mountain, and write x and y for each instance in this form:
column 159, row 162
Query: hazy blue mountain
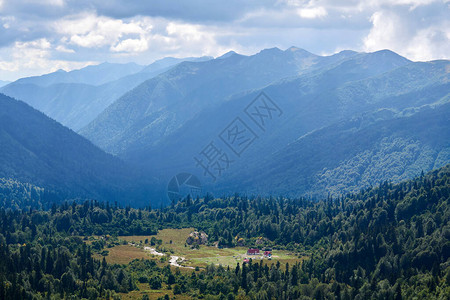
column 309, row 102
column 76, row 103
column 381, row 84
column 3, row 83
column 37, row 150
column 168, row 62
column 93, row 75
column 159, row 106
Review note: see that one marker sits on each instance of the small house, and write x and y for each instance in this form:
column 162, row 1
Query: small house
column 268, row 254
column 253, row 251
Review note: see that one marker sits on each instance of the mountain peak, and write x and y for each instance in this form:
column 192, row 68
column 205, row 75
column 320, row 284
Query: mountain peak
column 299, row 52
column 386, row 53
column 296, row 49
column 226, row 55
column 271, row 50
column 347, row 52
column 293, row 49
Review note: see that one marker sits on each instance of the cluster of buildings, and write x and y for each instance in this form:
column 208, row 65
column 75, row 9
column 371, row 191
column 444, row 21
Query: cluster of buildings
column 266, row 253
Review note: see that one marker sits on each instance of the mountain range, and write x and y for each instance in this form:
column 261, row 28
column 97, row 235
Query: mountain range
column 163, row 104
column 166, row 122
column 312, row 124
column 92, row 75
column 75, row 98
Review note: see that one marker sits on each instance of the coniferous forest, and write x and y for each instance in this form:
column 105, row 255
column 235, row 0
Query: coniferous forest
column 387, row 242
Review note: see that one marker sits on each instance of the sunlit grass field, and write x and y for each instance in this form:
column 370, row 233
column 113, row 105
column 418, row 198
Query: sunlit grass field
column 174, row 241
column 123, row 254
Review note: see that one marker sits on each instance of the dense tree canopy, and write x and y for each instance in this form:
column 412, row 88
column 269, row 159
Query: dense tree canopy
column 388, row 242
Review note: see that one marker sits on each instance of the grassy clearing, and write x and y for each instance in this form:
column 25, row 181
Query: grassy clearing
column 174, row 240
column 123, row 254
column 238, row 255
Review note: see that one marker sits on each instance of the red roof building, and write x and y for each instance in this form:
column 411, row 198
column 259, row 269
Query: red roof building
column 253, row 251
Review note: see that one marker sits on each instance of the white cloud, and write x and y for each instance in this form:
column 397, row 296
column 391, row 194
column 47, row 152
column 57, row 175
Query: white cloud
column 58, row 31
column 399, row 33
column 131, row 45
column 192, row 40
column 34, row 58
column 138, row 35
column 312, row 13
column 385, row 30
column 45, row 2
column 306, row 9
column 432, row 42
column 7, row 21
column 61, row 48
column 92, row 31
column 412, row 4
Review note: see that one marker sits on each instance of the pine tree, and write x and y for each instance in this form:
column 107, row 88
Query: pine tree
column 398, row 292
column 244, row 277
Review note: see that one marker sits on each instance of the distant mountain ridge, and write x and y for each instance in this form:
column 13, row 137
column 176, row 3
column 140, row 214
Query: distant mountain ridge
column 93, row 75
column 164, row 103
column 75, row 98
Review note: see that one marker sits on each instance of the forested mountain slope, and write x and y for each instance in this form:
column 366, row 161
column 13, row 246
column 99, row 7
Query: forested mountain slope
column 354, row 154
column 37, row 150
column 364, row 91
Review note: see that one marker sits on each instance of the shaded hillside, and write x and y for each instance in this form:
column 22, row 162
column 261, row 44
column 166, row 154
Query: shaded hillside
column 352, row 155
column 15, row 194
column 40, row 151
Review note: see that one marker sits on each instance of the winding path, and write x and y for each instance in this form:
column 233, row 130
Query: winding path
column 173, row 259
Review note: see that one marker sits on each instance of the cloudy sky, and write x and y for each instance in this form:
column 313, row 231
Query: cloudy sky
column 41, row 36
